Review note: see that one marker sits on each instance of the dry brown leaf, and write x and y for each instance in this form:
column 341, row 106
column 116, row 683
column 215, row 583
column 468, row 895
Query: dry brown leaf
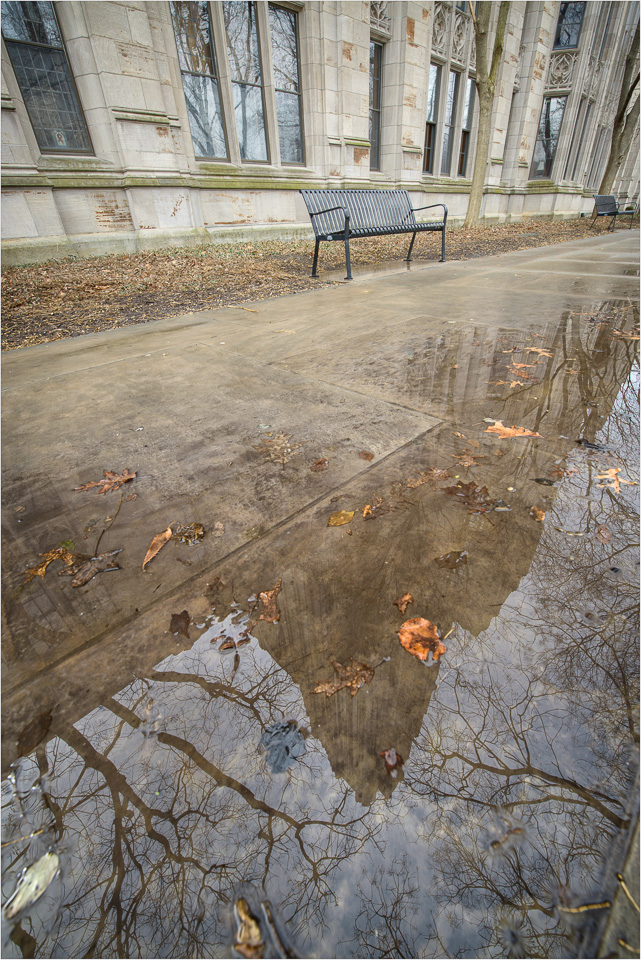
column 471, row 495
column 319, row 465
column 219, row 529
column 403, row 601
column 352, row 674
column 157, row 544
column 58, row 553
column 432, row 476
column 603, row 534
column 340, row 517
column 420, row 638
column 270, row 613
column 99, row 564
column 541, row 353
column 536, row 513
column 180, row 623
column 112, row 481
column 506, row 432
column 189, row 533
column 393, row 761
column 467, row 458
column 614, row 480
column 366, row 455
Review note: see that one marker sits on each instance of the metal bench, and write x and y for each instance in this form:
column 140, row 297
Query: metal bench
column 346, row 214
column 607, row 206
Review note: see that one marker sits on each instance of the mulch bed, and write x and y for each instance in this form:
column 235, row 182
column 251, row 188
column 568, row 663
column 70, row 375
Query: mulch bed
column 67, row 298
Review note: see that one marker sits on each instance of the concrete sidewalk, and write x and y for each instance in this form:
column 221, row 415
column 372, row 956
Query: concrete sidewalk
column 392, row 380
column 186, row 402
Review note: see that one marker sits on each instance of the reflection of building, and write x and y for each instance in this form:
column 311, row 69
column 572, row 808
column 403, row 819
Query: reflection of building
column 131, row 126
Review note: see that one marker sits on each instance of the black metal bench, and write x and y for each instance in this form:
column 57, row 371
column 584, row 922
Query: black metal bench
column 346, row 214
column 607, row 206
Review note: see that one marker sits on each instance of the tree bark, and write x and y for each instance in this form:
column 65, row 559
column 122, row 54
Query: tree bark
column 486, row 87
column 625, row 121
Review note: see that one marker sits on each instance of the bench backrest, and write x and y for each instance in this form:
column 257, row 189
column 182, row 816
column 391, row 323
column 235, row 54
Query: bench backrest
column 605, row 205
column 367, row 208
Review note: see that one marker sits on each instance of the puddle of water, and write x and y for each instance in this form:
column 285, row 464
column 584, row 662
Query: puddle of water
column 173, row 824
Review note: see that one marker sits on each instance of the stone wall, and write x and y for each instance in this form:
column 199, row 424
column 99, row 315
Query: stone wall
column 143, row 187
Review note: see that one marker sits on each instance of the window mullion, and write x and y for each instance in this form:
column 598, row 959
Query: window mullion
column 269, row 95
column 219, row 38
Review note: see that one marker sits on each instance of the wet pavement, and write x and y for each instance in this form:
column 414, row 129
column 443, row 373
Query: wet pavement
column 477, row 805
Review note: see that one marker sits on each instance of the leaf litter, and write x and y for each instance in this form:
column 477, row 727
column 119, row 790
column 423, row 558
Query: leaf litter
column 471, row 495
column 402, row 602
column 180, row 623
column 509, row 432
column 278, row 448
column 352, row 674
column 111, row 481
column 451, row 560
column 420, row 638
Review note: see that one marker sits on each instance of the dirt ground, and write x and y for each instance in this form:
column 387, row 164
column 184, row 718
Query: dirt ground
column 67, row 298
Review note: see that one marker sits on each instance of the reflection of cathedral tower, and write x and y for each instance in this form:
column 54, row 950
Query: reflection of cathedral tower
column 347, row 584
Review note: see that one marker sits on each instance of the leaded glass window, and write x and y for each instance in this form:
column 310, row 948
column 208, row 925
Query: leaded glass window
column 547, row 137
column 246, row 77
column 40, row 64
column 466, row 132
column 432, row 114
column 450, row 115
column 375, row 71
column 285, row 60
column 192, row 30
column 568, row 26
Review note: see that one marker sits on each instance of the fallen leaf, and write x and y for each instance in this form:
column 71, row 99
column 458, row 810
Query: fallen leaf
column 236, row 663
column 157, row 544
column 472, row 496
column 189, row 533
column 367, row 511
column 33, row 734
column 393, row 761
column 112, row 481
column 58, row 553
column 603, row 534
column 541, row 353
column 180, row 623
column 452, row 559
column 270, row 613
column 537, row 514
column 467, row 458
column 420, row 638
column 352, row 674
column 615, row 481
column 99, row 564
column 219, row 529
column 522, row 366
column 516, row 383
column 505, row 432
column 278, row 448
column 228, row 644
column 319, row 465
column 432, row 476
column 366, row 455
column 340, row 517
column 403, row 601
column 623, row 335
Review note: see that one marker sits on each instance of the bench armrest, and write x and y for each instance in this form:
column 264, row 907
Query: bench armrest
column 430, row 207
column 317, row 213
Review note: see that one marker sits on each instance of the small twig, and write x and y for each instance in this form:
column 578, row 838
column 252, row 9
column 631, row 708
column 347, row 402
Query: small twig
column 451, row 630
column 95, row 553
column 627, row 892
column 37, row 833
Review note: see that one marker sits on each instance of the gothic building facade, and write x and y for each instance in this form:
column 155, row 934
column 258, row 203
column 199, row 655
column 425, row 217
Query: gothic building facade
column 132, row 125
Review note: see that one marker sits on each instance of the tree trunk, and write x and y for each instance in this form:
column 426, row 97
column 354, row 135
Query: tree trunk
column 486, row 86
column 625, row 122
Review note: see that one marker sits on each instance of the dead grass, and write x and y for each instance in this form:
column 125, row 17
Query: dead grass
column 67, row 298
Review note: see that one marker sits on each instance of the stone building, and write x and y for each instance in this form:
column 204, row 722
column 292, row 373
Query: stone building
column 134, row 125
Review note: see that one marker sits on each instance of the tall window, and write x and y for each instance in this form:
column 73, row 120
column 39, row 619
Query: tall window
column 200, row 84
column 547, row 137
column 466, row 132
column 40, row 64
column 246, row 76
column 282, row 25
column 568, row 26
column 432, row 114
column 375, row 70
column 450, row 116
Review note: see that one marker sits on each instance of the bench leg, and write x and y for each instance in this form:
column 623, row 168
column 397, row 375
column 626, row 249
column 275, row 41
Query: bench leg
column 347, row 260
column 614, row 223
column 443, row 245
column 409, row 252
column 314, row 274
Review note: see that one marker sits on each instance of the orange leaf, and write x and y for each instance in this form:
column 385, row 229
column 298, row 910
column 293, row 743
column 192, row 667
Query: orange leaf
column 157, row 544
column 537, row 514
column 340, row 517
column 420, row 638
column 403, row 601
column 505, row 432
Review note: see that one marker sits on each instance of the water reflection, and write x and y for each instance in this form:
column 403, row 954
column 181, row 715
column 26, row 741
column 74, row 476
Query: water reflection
column 519, row 746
